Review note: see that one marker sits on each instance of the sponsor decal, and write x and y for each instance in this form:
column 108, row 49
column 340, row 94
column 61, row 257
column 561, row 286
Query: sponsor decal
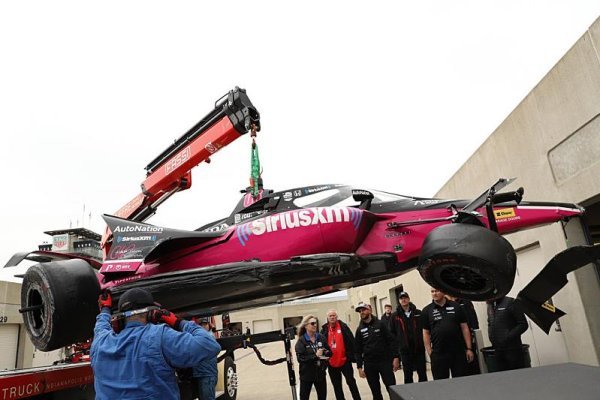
column 211, row 148
column 396, row 234
column 425, row 202
column 298, row 218
column 216, row 228
column 287, row 196
column 549, row 307
column 316, row 189
column 136, row 238
column 137, row 228
column 181, row 157
column 123, row 266
column 504, row 213
column 60, row 242
column 297, row 193
column 360, row 192
column 124, row 251
column 243, row 217
column 128, row 279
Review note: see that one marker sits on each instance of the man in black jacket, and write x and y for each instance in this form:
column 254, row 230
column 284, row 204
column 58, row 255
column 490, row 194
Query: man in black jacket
column 386, row 318
column 407, row 325
column 341, row 342
column 376, row 348
column 506, row 323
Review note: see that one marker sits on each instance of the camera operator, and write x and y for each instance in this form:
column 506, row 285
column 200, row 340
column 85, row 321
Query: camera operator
column 312, row 352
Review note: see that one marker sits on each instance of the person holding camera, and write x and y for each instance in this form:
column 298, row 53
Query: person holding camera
column 312, row 352
column 140, row 360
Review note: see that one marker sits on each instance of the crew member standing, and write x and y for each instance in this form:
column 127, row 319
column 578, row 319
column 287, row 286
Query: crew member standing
column 206, row 373
column 376, row 350
column 312, row 352
column 446, row 336
column 341, row 341
column 140, row 360
column 407, row 325
column 506, row 324
column 386, row 318
column 473, row 322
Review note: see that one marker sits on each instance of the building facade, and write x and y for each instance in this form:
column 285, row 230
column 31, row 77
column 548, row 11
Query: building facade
column 551, row 142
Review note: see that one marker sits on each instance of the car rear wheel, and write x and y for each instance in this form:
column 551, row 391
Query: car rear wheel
column 59, row 301
column 230, row 382
column 468, row 261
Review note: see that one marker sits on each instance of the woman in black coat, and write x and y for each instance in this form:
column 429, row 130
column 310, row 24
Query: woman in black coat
column 312, row 352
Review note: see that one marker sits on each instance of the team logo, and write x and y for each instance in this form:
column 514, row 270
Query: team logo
column 296, row 219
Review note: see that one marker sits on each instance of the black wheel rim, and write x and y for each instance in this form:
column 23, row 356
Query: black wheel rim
column 463, row 278
column 37, row 316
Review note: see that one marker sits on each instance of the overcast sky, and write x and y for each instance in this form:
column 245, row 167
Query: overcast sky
column 387, row 95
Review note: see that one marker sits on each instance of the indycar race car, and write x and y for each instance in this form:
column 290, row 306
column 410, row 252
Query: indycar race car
column 278, row 246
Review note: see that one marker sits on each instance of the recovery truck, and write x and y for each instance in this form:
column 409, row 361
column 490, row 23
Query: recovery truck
column 73, row 378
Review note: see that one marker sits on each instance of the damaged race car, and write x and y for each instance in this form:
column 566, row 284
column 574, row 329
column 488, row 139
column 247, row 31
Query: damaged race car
column 278, row 246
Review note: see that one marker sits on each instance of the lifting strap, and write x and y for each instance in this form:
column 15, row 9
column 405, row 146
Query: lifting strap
column 255, row 171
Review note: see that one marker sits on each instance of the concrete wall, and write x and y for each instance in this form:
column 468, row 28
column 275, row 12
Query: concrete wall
column 27, row 355
column 277, row 313
column 551, row 142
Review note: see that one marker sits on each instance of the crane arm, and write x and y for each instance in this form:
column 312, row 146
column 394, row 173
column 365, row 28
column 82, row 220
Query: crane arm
column 170, row 172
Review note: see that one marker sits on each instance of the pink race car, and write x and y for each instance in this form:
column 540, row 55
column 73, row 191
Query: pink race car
column 277, row 246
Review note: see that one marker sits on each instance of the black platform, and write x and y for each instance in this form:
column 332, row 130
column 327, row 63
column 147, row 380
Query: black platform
column 554, row 382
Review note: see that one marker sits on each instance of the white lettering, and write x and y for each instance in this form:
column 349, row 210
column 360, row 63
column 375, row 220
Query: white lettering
column 282, row 221
column 297, row 218
column 304, row 217
column 138, row 228
column 258, row 226
column 179, row 159
column 292, row 220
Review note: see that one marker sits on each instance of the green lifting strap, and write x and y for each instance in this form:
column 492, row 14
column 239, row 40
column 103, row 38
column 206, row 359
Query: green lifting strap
column 254, row 170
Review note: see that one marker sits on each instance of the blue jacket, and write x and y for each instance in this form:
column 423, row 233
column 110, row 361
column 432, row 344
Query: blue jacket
column 207, row 368
column 139, row 362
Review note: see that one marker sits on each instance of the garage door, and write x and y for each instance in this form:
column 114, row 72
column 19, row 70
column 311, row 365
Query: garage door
column 9, row 338
column 262, row 325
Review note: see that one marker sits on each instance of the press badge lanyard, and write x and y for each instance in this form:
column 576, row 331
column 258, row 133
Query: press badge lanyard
column 332, row 334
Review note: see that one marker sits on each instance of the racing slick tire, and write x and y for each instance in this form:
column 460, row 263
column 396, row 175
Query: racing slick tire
column 59, row 302
column 468, row 261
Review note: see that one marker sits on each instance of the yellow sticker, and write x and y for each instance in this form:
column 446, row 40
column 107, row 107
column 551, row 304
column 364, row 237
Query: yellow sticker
column 504, row 213
column 549, row 307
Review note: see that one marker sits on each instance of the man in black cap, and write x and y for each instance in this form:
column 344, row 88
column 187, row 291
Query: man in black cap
column 376, row 350
column 407, row 325
column 140, row 360
column 446, row 336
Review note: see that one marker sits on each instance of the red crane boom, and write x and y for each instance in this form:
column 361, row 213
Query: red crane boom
column 170, row 172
